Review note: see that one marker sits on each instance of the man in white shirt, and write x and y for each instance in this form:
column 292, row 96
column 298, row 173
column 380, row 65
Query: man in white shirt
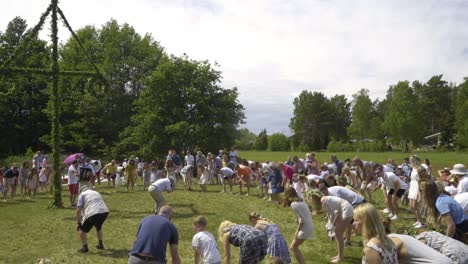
column 189, row 159
column 459, row 169
column 73, row 182
column 91, row 210
column 156, row 190
column 226, row 175
column 395, row 188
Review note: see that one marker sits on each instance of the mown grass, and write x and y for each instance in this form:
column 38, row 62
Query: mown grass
column 31, row 231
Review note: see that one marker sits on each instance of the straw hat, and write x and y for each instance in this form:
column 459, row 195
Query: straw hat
column 459, row 169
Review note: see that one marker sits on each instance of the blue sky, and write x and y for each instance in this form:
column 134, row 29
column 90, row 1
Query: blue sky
column 272, row 50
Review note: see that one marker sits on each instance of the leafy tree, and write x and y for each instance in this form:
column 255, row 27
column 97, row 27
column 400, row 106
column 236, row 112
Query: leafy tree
column 402, row 119
column 462, row 114
column 94, row 114
column 435, row 100
column 245, row 139
column 22, row 97
column 340, row 117
column 361, row 114
column 261, row 141
column 278, row 142
column 311, row 119
column 183, row 105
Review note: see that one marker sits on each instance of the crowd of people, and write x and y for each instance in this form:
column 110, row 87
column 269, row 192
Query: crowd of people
column 343, row 190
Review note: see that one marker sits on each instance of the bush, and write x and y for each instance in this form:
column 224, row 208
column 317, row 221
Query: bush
column 278, row 142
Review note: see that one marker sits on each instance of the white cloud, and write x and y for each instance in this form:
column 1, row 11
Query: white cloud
column 271, row 50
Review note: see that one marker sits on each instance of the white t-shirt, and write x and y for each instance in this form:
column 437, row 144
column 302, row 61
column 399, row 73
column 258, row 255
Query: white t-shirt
column 91, row 203
column 451, row 189
column 205, row 244
column 227, row 172
column 463, row 185
column 345, row 193
column 189, row 159
column 390, row 180
column 462, row 199
column 72, row 175
column 265, row 166
column 98, row 166
column 162, row 185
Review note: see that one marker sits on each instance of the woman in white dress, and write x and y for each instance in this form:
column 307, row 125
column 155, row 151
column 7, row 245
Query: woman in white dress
column 204, row 175
column 413, row 192
column 305, row 227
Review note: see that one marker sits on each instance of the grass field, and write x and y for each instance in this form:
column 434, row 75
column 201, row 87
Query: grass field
column 30, row 230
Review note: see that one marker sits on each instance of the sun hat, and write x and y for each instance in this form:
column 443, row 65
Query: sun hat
column 459, row 169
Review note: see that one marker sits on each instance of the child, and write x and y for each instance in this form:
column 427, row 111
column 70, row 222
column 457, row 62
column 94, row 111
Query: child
column 204, row 176
column 187, row 176
column 204, row 243
column 33, row 179
column 297, row 186
column 44, row 176
column 264, row 184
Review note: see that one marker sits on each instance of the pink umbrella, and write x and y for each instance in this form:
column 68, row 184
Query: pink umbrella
column 72, row 158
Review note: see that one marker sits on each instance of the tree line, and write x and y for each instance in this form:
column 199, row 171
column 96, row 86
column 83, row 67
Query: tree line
column 410, row 116
column 152, row 100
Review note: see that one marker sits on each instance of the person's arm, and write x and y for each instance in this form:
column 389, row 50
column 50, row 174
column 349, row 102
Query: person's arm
column 227, row 249
column 174, row 253
column 450, row 225
column 78, row 219
column 197, row 257
column 372, row 256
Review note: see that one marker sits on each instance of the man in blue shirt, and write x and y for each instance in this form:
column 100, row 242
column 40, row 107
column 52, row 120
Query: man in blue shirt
column 153, row 235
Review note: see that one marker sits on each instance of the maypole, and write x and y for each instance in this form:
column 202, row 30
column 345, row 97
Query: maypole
column 54, row 73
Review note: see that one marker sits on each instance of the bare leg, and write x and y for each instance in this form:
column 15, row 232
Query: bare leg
column 295, row 249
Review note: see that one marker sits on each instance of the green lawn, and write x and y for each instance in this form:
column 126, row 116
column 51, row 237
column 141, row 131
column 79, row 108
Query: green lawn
column 30, row 230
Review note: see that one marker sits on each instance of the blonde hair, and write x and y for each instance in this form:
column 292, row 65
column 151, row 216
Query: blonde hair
column 258, row 216
column 371, row 224
column 224, row 227
column 415, row 161
column 290, row 195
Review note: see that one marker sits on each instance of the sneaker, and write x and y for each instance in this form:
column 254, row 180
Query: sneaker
column 386, row 211
column 395, row 217
column 390, row 215
column 83, row 250
column 247, row 194
column 101, row 247
column 347, row 243
column 416, row 223
column 419, row 226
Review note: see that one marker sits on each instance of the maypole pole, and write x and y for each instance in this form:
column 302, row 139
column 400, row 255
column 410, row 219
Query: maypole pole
column 55, row 118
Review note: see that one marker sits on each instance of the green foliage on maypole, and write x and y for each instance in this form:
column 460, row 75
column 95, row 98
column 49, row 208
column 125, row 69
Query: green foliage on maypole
column 55, row 117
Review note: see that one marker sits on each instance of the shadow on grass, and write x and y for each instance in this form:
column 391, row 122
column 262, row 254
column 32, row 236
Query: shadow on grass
column 113, row 253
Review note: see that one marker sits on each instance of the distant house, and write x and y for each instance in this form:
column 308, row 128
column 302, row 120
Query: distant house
column 434, row 140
